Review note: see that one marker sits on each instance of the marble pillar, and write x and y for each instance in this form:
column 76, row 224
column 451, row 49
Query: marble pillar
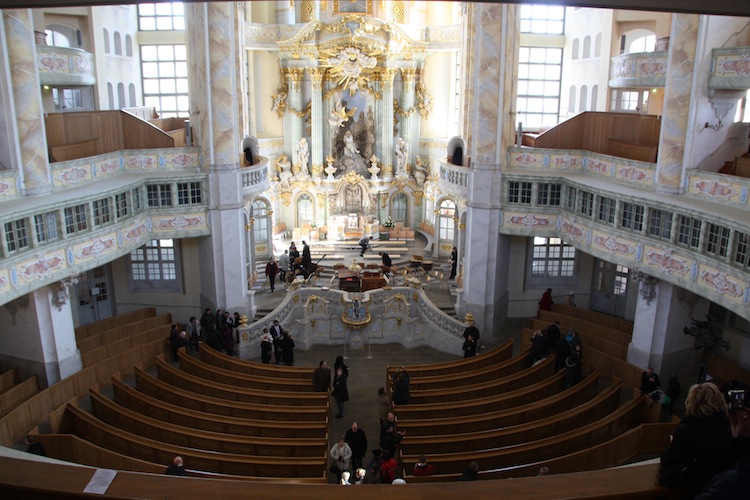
column 296, row 123
column 678, row 94
column 316, row 110
column 658, row 339
column 386, row 128
column 407, row 105
column 215, row 60
column 492, row 31
column 29, row 112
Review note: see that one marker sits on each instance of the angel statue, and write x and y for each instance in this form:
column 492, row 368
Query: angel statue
column 301, row 155
column 350, row 147
column 401, row 156
column 284, row 168
column 419, row 171
column 339, row 115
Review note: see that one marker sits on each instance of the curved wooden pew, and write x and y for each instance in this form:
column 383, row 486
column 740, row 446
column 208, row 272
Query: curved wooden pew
column 471, row 390
column 9, row 378
column 589, row 340
column 221, row 360
column 565, row 400
column 473, row 375
column 91, row 429
column 189, row 364
column 118, row 416
column 126, row 330
column 459, row 366
column 187, row 399
column 106, row 324
column 622, row 324
column 179, row 378
column 146, row 405
column 116, row 347
column 617, row 422
column 18, row 394
column 553, row 425
column 609, row 334
column 534, row 392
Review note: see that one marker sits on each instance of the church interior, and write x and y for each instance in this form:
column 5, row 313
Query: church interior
column 436, row 165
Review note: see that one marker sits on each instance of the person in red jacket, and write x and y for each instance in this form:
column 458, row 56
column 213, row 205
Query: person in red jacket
column 422, row 468
column 388, row 468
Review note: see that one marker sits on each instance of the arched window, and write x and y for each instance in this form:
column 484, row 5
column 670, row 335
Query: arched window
column 598, row 45
column 259, row 210
column 131, row 92
column 583, row 100
column 304, row 209
column 576, row 44
column 111, row 95
column 57, row 37
column 639, row 40
column 572, row 100
column 128, row 45
column 105, row 33
column 446, row 212
column 121, row 102
column 399, row 204
column 594, row 97
column 118, row 44
column 586, row 47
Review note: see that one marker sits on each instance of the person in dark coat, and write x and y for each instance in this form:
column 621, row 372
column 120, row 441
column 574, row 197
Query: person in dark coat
column 287, row 348
column 34, row 447
column 340, row 392
column 538, row 346
column 357, row 441
column 390, row 439
column 471, row 473
column 272, row 269
column 339, row 363
column 401, row 386
column 454, row 263
column 277, row 333
column 573, row 367
column 701, row 445
column 208, row 321
column 562, row 350
column 321, row 378
column 227, row 337
column 470, row 347
column 306, row 257
column 177, row 468
column 266, row 347
column 649, row 381
column 553, row 335
column 546, row 303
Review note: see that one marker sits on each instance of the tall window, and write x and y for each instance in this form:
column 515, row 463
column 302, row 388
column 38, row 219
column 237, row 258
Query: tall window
column 447, row 212
column 606, row 210
column 46, row 227
column 542, row 19
column 189, row 193
column 660, row 224
column 15, row 236
column 304, row 209
column 159, row 195
column 552, row 261
column 519, row 192
column 587, row 203
column 718, row 240
column 102, row 214
column 122, row 207
column 165, row 79
column 633, row 101
column 75, row 219
column 154, row 267
column 549, row 194
column 398, row 208
column 539, row 76
column 690, row 232
column 742, row 249
column 161, row 16
column 632, row 216
column 260, row 227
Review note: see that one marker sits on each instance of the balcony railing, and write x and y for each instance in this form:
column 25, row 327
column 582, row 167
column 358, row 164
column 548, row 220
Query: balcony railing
column 64, row 66
column 454, row 179
column 646, row 69
column 255, row 178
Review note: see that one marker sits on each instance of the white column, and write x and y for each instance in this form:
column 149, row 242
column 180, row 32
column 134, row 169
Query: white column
column 295, row 122
column 386, row 127
column 316, row 77
column 407, row 103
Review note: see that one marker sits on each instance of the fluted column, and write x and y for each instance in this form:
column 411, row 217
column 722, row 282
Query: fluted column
column 21, row 49
column 296, row 123
column 407, row 104
column 386, row 129
column 316, row 77
column 678, row 91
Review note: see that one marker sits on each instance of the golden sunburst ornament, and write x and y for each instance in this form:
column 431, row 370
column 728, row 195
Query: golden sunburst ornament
column 350, row 67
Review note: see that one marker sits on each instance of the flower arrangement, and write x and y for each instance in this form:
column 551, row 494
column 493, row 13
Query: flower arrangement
column 389, row 222
column 314, row 223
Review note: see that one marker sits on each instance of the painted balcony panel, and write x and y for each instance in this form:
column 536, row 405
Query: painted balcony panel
column 646, row 69
column 730, row 69
column 64, row 66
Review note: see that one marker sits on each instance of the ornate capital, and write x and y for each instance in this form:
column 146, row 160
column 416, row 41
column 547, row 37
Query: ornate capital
column 387, row 76
column 418, row 197
column 294, row 76
column 408, row 74
column 316, row 76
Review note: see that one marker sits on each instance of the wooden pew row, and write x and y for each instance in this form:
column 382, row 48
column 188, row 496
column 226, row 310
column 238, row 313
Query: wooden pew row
column 73, row 449
column 608, row 334
column 475, row 375
column 617, row 422
column 26, row 416
column 534, row 392
column 193, row 366
column 118, row 416
column 497, row 355
column 115, row 347
column 645, row 439
column 471, row 390
column 554, row 425
column 188, row 399
column 16, row 395
column 107, row 324
column 215, row 358
column 139, row 402
column 588, row 339
column 9, row 379
column 20, row 479
column 124, row 331
column 107, row 436
column 565, row 400
column 179, row 378
column 598, row 318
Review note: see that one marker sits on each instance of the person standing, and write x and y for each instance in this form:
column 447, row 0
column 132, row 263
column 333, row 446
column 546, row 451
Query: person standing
column 321, row 378
column 208, row 322
column 471, row 329
column 454, row 263
column 357, row 441
column 284, row 265
column 470, row 347
column 277, row 334
column 194, row 332
column 546, row 303
column 266, row 347
column 306, row 257
column 553, row 335
column 340, row 392
column 364, row 243
column 341, row 455
column 387, row 262
column 287, row 348
column 272, row 269
column 401, row 386
column 649, row 381
column 384, row 406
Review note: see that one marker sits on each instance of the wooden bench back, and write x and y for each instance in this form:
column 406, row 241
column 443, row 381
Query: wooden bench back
column 221, row 360
column 107, row 324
